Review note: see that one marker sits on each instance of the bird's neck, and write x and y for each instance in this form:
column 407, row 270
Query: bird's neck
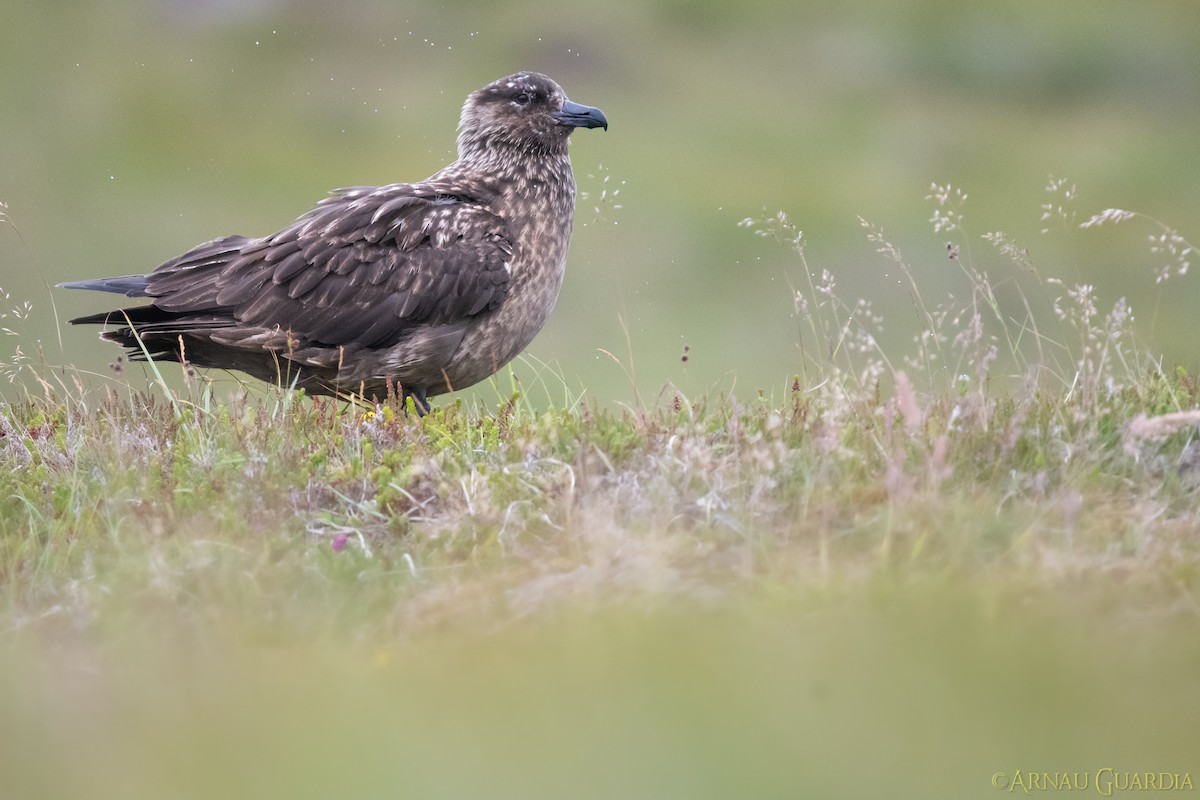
column 518, row 175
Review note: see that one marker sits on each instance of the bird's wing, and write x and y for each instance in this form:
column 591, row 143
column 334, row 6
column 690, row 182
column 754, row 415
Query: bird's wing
column 361, row 269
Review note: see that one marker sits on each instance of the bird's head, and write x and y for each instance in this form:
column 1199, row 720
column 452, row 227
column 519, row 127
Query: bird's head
column 527, row 112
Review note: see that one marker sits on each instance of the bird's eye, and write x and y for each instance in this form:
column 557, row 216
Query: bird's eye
column 523, row 99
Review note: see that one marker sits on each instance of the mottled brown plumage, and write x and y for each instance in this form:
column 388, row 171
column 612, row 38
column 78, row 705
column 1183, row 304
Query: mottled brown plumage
column 428, row 286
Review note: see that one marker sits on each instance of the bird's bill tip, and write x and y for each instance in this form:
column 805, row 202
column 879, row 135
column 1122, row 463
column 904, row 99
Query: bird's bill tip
column 577, row 115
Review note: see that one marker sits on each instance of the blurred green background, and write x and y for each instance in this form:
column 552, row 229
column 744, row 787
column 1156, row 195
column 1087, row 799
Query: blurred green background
column 131, row 131
column 922, row 695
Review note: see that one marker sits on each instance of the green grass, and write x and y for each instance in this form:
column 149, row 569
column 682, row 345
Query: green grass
column 913, row 566
column 901, row 575
column 689, row 600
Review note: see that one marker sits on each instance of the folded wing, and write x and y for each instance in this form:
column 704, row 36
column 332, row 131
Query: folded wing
column 361, row 270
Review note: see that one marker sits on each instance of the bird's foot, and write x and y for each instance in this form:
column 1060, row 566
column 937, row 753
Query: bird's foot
column 420, row 401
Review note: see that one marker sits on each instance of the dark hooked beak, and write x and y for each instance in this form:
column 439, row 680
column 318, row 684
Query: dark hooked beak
column 580, row 116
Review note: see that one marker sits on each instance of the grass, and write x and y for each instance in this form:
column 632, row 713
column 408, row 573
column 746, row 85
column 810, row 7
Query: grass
column 904, row 574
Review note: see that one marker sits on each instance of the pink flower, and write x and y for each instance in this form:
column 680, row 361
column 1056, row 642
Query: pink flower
column 339, row 542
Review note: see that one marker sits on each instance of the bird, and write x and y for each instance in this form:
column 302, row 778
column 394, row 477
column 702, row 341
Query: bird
column 414, row 288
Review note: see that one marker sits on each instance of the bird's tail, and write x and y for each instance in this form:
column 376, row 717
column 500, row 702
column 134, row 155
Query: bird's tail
column 124, row 316
column 128, row 285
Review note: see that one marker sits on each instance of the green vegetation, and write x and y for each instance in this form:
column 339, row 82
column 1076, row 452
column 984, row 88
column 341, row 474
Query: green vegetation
column 859, row 512
column 902, row 576
column 139, row 129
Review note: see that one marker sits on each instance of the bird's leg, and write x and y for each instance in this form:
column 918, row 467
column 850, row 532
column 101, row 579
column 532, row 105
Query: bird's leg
column 420, row 402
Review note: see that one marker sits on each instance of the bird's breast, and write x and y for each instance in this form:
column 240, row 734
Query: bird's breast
column 539, row 212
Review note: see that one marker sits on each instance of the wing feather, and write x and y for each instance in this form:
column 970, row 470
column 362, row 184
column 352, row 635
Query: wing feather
column 280, row 251
column 363, row 268
column 290, row 266
column 303, row 283
column 248, row 282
